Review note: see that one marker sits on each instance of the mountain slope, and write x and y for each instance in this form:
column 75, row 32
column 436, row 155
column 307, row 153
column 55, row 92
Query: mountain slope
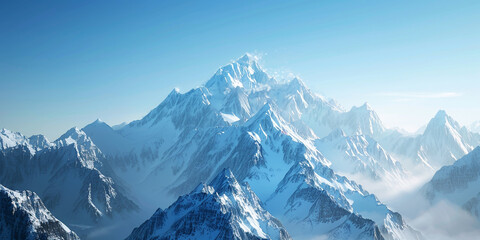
column 243, row 120
column 443, row 141
column 108, row 140
column 313, row 200
column 458, row 183
column 70, row 178
column 262, row 149
column 224, row 209
column 360, row 155
column 23, row 216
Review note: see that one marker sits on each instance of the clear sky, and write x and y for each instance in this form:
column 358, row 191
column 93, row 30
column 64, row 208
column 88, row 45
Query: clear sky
column 66, row 63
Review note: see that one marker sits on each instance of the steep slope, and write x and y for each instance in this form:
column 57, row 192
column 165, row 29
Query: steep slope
column 23, row 216
column 224, row 209
column 458, row 183
column 443, row 141
column 360, row 155
column 69, row 176
column 234, row 95
column 363, row 120
column 79, row 170
column 39, row 142
column 178, row 115
column 244, row 120
column 302, row 107
column 267, row 150
column 9, row 139
column 262, row 149
column 313, row 200
column 244, row 73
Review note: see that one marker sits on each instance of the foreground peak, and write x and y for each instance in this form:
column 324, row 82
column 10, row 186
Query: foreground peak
column 24, row 216
column 213, row 212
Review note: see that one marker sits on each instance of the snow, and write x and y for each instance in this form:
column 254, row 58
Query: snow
column 33, row 215
column 224, row 199
column 230, row 118
column 443, row 141
column 280, row 138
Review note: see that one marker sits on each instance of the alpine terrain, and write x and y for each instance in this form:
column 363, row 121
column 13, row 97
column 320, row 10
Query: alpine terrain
column 281, row 162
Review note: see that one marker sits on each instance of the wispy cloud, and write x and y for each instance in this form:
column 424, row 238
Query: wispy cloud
column 408, row 96
column 422, row 94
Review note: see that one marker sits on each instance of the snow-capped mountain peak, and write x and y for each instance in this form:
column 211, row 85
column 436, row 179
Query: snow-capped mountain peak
column 221, row 210
column 98, row 121
column 225, row 181
column 446, row 140
column 73, row 136
column 11, row 139
column 366, row 119
column 39, row 142
column 360, row 155
column 458, row 183
column 366, row 106
column 267, row 121
column 297, row 83
column 248, row 59
column 442, row 119
column 106, row 138
column 244, row 73
column 88, row 153
column 24, row 216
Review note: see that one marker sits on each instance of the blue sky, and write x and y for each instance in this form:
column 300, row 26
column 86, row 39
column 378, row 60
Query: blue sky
column 66, row 63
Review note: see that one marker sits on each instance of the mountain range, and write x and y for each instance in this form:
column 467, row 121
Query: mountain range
column 280, row 161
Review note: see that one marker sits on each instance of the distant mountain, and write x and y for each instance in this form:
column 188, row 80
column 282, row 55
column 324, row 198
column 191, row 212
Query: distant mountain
column 300, row 104
column 69, row 175
column 10, row 139
column 360, row 155
column 443, row 141
column 224, row 209
column 23, row 216
column 118, row 126
column 458, row 183
column 107, row 139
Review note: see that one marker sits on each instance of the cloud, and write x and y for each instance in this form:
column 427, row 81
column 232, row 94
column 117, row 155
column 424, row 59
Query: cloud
column 442, row 220
column 407, row 96
column 446, row 221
